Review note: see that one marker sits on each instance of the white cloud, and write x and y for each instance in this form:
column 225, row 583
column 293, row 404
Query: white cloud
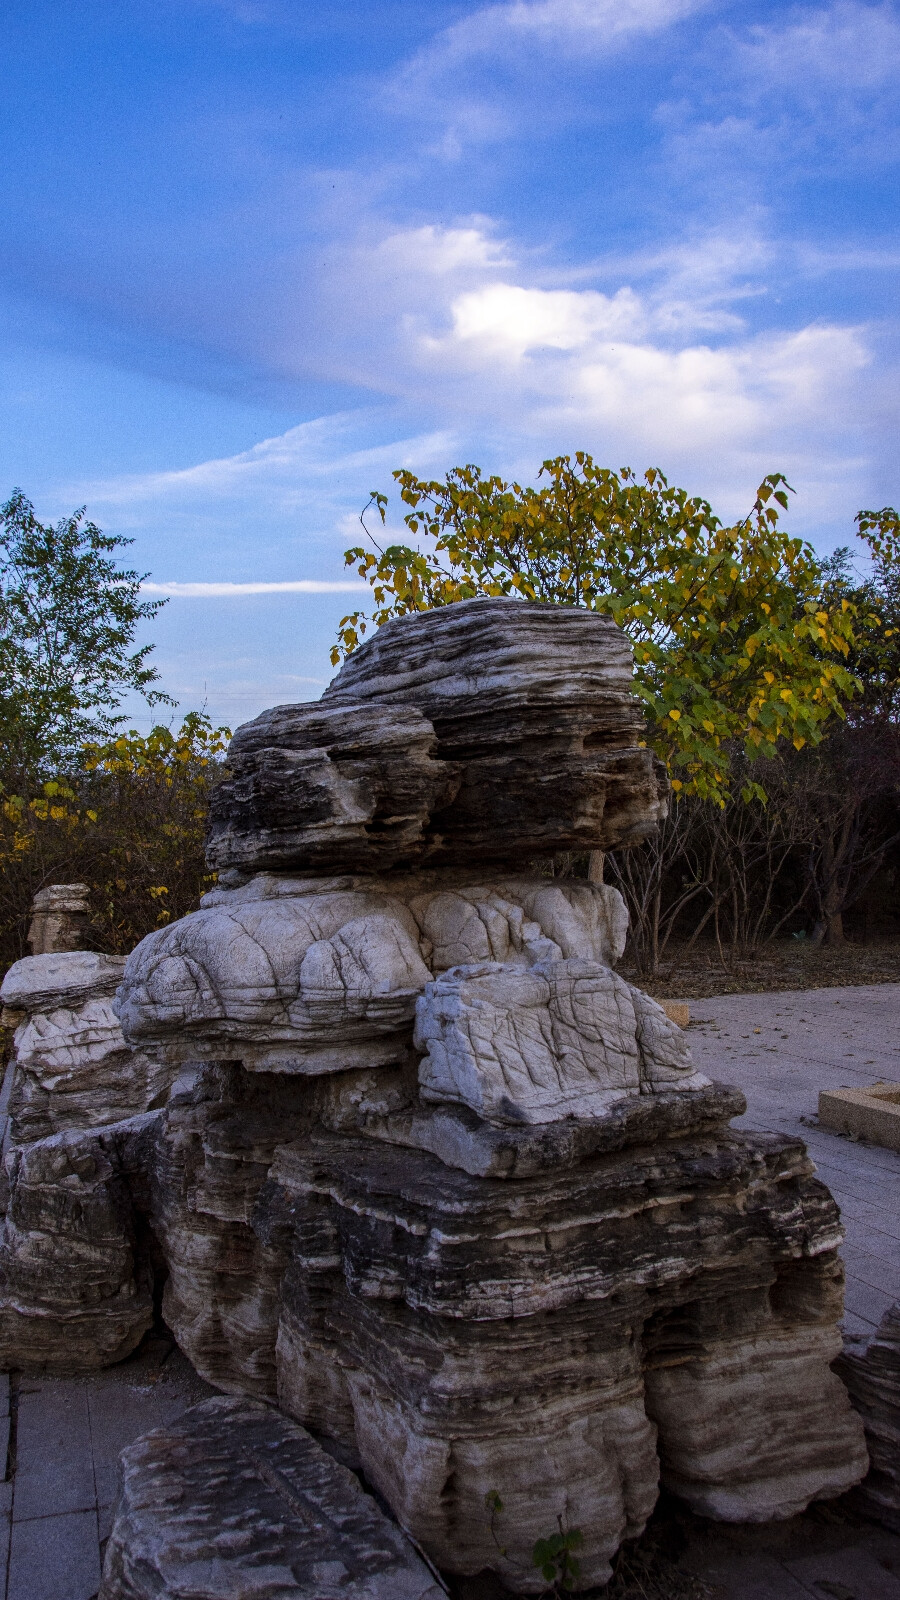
column 225, row 591
column 592, row 24
column 499, row 364
column 309, row 483
column 442, row 86
column 846, row 47
column 512, row 319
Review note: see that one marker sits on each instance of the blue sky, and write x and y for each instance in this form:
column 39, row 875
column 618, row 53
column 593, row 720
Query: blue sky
column 257, row 253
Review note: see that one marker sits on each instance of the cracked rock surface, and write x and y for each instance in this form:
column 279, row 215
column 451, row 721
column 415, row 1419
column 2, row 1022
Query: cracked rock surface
column 73, row 1068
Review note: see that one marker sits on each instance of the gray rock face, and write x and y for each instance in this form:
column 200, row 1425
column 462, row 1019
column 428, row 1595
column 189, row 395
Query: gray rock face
column 76, row 1288
column 73, row 1068
column 234, row 1500
column 873, row 1380
column 562, row 1340
column 62, row 978
column 323, row 975
column 559, row 1039
column 488, row 730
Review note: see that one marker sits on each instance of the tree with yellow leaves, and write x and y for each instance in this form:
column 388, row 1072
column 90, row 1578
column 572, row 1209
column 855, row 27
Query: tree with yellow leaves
column 734, row 645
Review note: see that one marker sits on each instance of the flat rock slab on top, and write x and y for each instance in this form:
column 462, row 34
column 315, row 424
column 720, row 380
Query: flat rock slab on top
column 235, row 1502
column 62, row 978
column 479, row 731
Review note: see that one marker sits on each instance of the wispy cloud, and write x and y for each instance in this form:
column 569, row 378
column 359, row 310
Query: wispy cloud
column 596, row 25
column 224, row 591
column 457, row 83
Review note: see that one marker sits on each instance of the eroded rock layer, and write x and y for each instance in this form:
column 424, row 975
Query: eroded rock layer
column 554, row 1339
column 490, row 730
column 873, row 1380
column 73, row 1068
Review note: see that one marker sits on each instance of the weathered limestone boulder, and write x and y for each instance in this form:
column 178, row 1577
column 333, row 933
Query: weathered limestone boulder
column 489, row 730
column 73, row 1068
column 76, row 1277
column 234, row 1500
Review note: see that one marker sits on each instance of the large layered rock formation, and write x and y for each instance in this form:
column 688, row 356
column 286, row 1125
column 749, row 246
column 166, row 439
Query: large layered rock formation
column 429, row 1173
column 487, row 731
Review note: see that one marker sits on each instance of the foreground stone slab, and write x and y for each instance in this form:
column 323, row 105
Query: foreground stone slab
column 235, row 1502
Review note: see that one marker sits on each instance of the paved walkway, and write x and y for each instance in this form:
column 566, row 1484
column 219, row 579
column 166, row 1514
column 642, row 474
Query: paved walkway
column 781, row 1049
column 63, row 1448
column 67, row 1433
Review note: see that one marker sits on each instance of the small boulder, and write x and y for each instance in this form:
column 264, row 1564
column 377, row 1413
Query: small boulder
column 236, row 1502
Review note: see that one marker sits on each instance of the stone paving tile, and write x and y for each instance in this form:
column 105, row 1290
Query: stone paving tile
column 5, row 1530
column 55, row 1558
column 70, row 1432
column 54, row 1460
column 739, row 1577
column 855, row 1571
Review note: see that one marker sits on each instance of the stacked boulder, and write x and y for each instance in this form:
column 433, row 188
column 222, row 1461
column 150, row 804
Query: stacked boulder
column 429, row 1173
column 77, row 1286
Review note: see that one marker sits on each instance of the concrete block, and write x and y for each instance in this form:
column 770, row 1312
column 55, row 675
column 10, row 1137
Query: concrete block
column 872, row 1113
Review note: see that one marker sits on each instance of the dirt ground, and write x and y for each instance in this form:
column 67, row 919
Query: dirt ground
column 785, row 964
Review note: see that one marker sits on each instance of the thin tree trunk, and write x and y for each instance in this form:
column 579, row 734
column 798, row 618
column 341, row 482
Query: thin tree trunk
column 595, row 866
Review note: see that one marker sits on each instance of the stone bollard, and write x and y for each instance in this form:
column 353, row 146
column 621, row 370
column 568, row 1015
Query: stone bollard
column 59, row 919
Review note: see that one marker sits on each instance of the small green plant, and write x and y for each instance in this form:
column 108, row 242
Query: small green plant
column 494, row 1506
column 554, row 1559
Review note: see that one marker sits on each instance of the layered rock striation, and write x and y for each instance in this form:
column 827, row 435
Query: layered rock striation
column 424, row 1170
column 486, row 731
